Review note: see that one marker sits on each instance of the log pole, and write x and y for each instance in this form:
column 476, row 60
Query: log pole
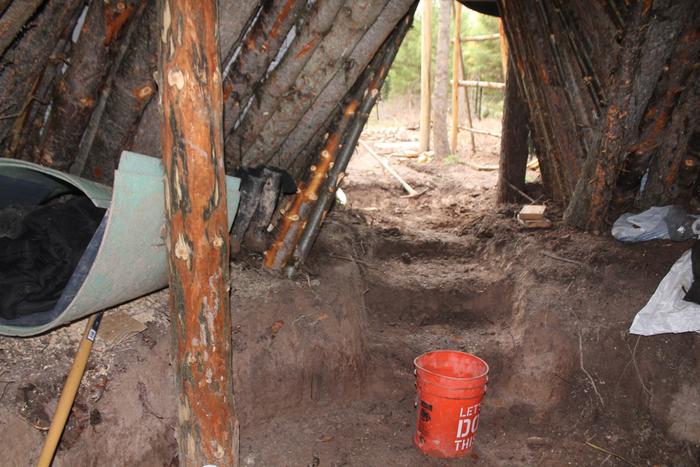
column 513, row 160
column 426, row 21
column 197, row 238
column 481, row 38
column 467, row 104
column 480, row 132
column 481, row 84
column 504, row 48
column 454, row 131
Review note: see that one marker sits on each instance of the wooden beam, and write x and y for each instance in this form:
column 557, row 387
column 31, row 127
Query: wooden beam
column 467, row 105
column 197, row 236
column 454, row 131
column 481, row 84
column 480, row 132
column 480, row 38
column 426, row 40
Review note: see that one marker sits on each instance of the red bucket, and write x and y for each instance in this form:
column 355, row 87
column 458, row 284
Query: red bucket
column 450, row 387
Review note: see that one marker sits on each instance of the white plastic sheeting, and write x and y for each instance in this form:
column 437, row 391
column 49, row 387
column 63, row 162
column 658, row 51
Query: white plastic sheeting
column 666, row 311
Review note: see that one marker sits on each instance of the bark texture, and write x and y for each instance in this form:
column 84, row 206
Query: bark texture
column 197, row 235
column 609, row 86
column 76, row 93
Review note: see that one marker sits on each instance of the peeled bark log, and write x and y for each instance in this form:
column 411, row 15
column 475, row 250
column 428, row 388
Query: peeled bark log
column 442, row 84
column 301, row 221
column 513, row 162
column 197, row 234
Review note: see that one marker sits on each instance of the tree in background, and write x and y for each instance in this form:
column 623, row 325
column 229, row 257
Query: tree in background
column 442, row 83
column 482, row 59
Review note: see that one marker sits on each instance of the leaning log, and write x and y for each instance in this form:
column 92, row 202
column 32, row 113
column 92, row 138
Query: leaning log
column 634, row 80
column 320, row 85
column 197, row 234
column 281, row 80
column 22, row 64
column 257, row 53
column 123, row 100
column 76, row 93
column 598, row 78
column 294, row 146
column 301, row 221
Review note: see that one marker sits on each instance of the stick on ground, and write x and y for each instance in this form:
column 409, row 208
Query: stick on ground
column 590, row 378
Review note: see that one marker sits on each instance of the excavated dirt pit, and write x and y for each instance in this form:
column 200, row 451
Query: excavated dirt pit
column 323, row 363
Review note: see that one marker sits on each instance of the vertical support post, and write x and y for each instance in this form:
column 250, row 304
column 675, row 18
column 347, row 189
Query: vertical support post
column 504, row 48
column 197, row 237
column 467, row 104
column 454, row 131
column 426, row 44
column 513, row 162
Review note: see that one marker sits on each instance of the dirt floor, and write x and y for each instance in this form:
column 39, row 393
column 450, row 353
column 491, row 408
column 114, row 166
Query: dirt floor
column 323, row 363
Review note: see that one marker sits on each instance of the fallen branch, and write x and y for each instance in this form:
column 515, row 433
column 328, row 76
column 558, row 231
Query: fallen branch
column 590, row 378
column 560, row 258
column 411, row 192
column 636, row 367
column 610, row 453
column 483, row 168
column 480, row 132
column 532, row 200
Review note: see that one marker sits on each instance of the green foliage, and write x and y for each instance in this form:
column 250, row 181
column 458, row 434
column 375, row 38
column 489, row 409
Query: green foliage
column 452, row 159
column 482, row 60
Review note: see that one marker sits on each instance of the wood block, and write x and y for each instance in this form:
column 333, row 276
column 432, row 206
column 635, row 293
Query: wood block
column 535, row 224
column 532, row 212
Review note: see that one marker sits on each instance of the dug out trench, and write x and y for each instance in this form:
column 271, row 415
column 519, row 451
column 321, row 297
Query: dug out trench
column 324, row 363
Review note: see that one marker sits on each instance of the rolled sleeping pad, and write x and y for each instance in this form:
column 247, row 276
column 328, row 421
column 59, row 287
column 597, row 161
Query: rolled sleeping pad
column 126, row 256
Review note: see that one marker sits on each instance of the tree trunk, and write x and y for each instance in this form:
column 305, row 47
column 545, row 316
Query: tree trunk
column 442, row 84
column 197, row 234
column 425, row 67
column 513, row 163
column 456, row 51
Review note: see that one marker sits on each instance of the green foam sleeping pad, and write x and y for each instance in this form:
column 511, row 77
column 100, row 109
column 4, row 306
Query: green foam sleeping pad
column 126, row 257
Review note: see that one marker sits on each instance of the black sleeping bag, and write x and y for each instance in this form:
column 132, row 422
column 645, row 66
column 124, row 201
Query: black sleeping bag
column 693, row 293
column 40, row 247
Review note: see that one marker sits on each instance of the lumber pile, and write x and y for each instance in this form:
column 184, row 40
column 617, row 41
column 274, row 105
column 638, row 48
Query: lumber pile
column 532, row 217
